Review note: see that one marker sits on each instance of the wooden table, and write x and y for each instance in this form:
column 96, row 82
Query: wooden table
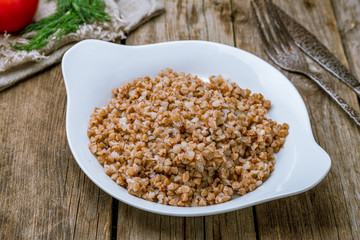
column 45, row 195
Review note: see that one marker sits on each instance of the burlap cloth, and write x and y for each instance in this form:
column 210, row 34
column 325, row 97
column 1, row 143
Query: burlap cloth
column 126, row 16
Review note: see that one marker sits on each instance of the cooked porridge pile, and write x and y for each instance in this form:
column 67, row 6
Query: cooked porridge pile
column 180, row 141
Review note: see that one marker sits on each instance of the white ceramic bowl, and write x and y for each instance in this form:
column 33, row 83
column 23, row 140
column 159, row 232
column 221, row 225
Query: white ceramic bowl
column 93, row 68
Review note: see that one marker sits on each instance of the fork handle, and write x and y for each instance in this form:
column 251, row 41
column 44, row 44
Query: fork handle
column 353, row 114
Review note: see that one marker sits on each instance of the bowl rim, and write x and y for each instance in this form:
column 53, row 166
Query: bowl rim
column 177, row 211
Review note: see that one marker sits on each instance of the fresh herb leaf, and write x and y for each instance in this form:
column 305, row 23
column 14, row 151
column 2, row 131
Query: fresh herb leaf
column 70, row 14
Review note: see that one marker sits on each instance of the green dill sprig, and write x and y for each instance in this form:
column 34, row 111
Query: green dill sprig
column 69, row 15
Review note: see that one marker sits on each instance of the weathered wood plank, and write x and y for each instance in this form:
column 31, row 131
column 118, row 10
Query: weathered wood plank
column 184, row 20
column 137, row 224
column 44, row 194
column 234, row 225
column 194, row 228
column 324, row 212
column 347, row 13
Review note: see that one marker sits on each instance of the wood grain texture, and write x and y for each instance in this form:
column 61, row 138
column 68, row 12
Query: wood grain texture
column 347, row 14
column 234, row 225
column 44, row 194
column 137, row 224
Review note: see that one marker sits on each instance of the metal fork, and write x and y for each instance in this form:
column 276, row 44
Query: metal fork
column 281, row 48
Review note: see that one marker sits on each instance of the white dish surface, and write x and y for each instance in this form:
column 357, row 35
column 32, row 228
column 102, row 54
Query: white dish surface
column 93, row 68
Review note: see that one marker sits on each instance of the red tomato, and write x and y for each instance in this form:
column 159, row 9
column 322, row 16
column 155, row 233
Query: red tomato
column 16, row 14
